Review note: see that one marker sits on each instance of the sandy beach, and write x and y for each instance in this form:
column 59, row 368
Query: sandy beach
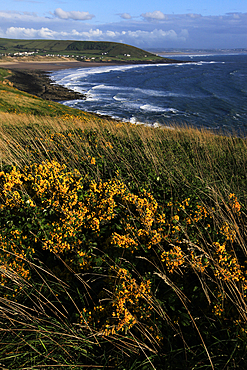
column 58, row 64
column 51, row 65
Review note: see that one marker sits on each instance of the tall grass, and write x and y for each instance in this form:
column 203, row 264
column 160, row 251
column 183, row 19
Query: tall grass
column 182, row 156
column 122, row 246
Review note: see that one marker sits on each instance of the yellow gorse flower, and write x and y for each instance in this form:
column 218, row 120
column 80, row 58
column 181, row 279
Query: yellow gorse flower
column 82, row 216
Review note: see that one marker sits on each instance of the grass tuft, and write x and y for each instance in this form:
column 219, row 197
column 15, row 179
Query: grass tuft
column 121, row 246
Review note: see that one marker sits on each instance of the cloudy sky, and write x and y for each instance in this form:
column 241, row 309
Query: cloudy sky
column 142, row 23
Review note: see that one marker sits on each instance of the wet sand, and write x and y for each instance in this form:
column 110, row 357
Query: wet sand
column 51, row 66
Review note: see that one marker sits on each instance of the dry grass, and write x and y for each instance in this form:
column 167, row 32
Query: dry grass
column 218, row 162
column 173, row 164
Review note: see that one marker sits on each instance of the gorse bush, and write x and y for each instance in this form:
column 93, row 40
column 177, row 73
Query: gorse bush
column 121, row 246
column 125, row 272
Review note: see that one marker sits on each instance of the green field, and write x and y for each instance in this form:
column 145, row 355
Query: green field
column 99, row 50
column 122, row 246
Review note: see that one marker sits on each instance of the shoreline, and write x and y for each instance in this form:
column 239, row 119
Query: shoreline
column 38, row 83
column 51, row 65
column 33, row 76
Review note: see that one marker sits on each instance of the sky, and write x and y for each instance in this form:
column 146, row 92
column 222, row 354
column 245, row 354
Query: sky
column 198, row 24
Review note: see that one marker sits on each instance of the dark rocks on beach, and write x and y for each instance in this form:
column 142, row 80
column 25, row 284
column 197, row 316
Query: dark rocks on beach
column 38, row 83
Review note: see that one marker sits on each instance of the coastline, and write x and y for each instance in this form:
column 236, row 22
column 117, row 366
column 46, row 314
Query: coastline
column 63, row 64
column 37, row 82
column 51, row 65
column 33, row 76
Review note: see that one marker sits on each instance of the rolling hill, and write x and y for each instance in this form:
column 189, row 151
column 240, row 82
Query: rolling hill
column 94, row 50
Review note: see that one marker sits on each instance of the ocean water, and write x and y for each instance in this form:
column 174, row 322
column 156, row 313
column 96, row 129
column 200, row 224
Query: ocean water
column 209, row 92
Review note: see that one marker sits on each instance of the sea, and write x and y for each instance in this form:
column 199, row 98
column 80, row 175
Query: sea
column 208, row 92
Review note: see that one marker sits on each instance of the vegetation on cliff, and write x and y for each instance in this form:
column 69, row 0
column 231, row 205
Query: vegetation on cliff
column 121, row 246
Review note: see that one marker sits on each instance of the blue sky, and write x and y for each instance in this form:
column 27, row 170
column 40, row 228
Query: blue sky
column 145, row 24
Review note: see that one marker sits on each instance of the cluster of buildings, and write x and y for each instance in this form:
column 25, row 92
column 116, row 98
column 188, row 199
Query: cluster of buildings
column 29, row 53
column 61, row 55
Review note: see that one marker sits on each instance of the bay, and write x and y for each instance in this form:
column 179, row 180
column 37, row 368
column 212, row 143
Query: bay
column 209, row 92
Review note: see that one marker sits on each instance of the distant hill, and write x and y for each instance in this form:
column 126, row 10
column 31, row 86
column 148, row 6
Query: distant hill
column 81, row 50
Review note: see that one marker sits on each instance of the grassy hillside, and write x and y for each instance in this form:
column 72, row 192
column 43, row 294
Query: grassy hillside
column 100, row 50
column 121, row 246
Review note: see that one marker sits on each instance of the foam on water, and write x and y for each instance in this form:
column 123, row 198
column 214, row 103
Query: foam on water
column 120, row 97
column 206, row 92
column 67, row 76
column 152, row 108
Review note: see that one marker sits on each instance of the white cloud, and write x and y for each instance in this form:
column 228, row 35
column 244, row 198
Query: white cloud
column 86, row 34
column 125, row 16
column 46, row 33
column 22, row 32
column 139, row 37
column 157, row 15
column 76, row 15
column 155, row 37
column 92, row 34
column 156, row 30
column 18, row 16
column 112, row 34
